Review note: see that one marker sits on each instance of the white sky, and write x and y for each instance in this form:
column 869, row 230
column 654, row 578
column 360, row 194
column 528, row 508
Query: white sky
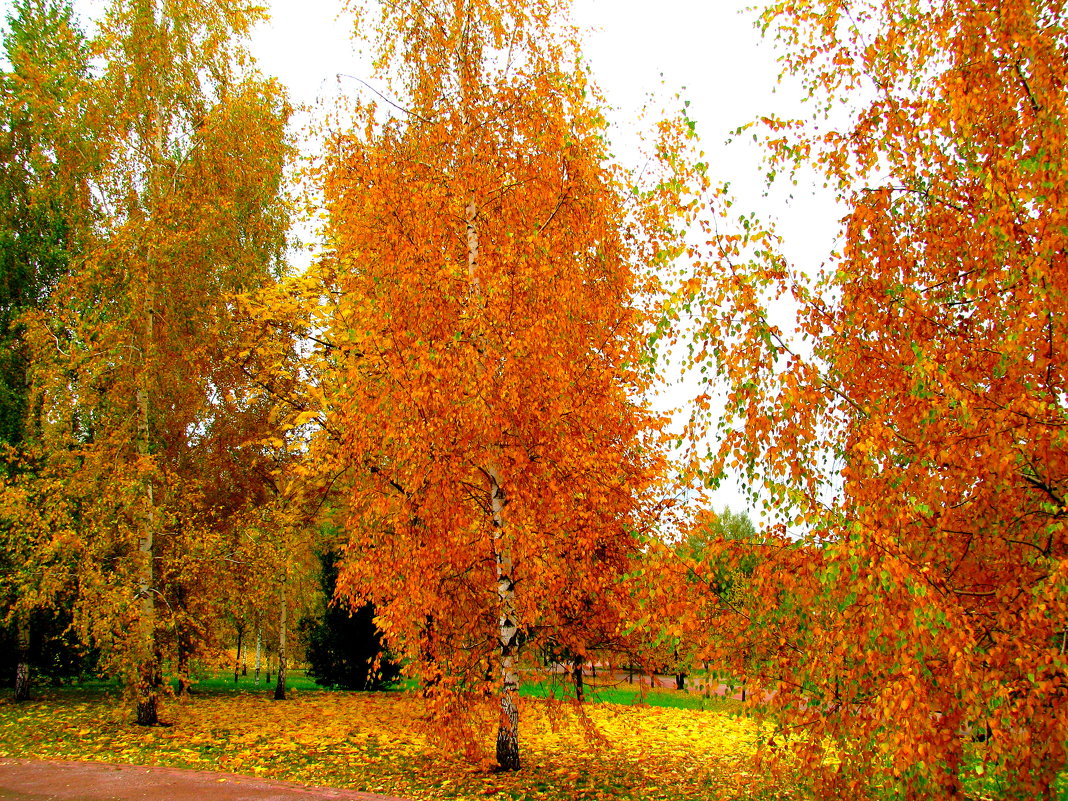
column 706, row 50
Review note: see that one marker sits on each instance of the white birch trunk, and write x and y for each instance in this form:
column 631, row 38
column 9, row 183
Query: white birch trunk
column 149, row 670
column 280, row 685
column 508, row 631
column 508, row 730
column 470, row 216
column 148, row 677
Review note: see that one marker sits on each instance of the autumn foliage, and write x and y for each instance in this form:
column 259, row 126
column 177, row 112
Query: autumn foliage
column 913, row 431
column 178, row 209
column 493, row 293
column 461, row 380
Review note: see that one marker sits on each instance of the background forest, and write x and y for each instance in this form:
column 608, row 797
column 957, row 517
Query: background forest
column 448, row 416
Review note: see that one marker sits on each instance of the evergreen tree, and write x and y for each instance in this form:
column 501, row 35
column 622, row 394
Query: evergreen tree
column 46, row 160
column 343, row 645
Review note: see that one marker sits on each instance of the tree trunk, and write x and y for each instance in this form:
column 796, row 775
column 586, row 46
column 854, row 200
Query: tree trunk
column 508, row 729
column 259, row 640
column 149, row 676
column 576, row 674
column 680, row 677
column 148, row 669
column 149, row 685
column 22, row 667
column 149, row 673
column 185, row 655
column 280, row 686
column 237, row 660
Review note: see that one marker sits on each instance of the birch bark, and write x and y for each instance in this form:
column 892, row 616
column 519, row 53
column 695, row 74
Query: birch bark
column 508, row 729
column 22, row 668
column 149, row 675
column 280, row 685
column 508, row 630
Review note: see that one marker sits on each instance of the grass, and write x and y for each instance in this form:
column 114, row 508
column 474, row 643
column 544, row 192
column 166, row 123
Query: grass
column 596, row 691
column 222, row 681
column 627, row 694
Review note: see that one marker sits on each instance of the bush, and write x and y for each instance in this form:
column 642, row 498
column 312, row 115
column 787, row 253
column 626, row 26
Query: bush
column 342, row 644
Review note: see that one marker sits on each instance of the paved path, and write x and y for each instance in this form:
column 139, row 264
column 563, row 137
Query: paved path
column 44, row 780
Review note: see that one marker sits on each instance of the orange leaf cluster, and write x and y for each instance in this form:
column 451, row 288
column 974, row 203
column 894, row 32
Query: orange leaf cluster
column 917, row 441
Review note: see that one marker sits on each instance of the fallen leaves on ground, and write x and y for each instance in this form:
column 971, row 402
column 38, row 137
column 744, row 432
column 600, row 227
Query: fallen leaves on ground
column 378, row 743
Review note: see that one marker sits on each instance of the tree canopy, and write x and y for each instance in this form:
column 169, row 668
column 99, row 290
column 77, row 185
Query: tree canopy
column 914, row 426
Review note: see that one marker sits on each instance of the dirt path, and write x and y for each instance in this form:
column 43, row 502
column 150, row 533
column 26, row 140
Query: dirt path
column 43, row 780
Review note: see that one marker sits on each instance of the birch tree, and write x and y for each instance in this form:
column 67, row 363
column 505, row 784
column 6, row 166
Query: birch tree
column 489, row 277
column 45, row 169
column 190, row 214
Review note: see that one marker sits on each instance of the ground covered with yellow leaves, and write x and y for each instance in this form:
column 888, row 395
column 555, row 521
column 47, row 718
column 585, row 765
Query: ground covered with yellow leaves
column 377, row 743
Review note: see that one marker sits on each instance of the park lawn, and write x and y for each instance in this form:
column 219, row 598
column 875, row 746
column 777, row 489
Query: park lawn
column 597, row 692
column 376, row 742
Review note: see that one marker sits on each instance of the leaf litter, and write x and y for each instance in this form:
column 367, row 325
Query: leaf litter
column 379, row 742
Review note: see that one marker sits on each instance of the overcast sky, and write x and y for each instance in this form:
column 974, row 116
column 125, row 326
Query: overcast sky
column 708, row 51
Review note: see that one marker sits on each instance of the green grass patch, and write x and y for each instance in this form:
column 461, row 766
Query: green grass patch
column 221, row 682
column 627, row 694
